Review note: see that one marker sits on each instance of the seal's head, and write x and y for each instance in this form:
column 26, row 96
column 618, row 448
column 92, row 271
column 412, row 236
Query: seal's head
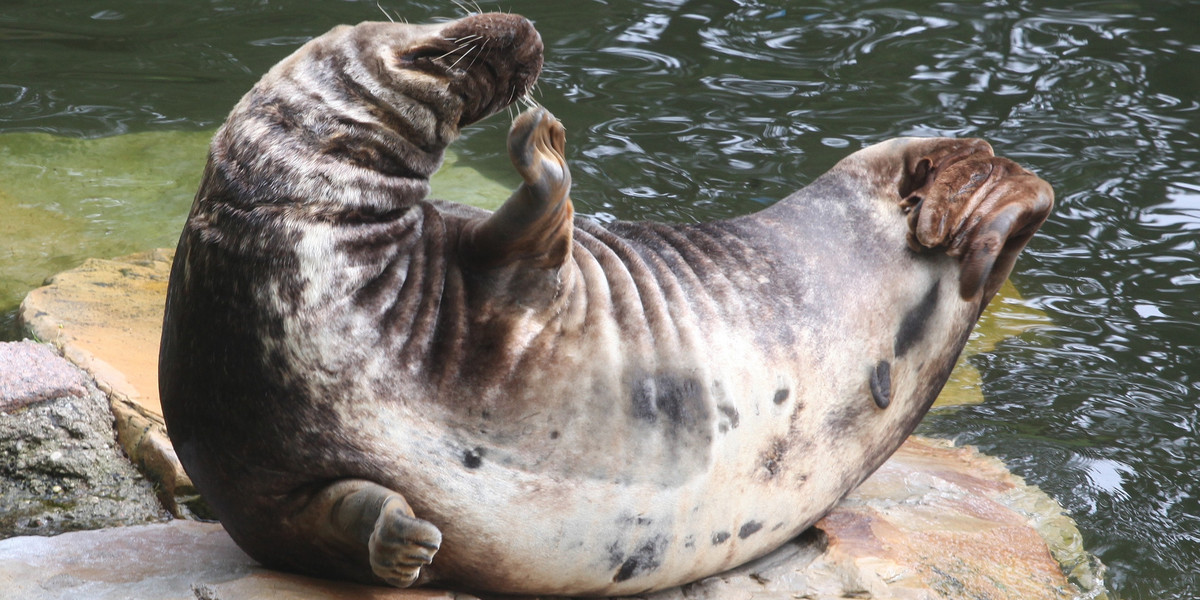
column 459, row 71
column 356, row 120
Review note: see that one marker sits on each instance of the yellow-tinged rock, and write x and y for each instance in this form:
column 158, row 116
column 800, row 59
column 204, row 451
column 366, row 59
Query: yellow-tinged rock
column 66, row 199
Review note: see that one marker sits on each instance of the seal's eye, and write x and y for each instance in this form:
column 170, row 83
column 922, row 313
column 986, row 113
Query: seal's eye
column 421, row 54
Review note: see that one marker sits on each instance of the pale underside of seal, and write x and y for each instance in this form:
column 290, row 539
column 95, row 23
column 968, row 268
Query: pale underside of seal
column 371, row 385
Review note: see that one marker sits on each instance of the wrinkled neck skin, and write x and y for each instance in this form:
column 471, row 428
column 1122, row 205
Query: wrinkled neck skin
column 331, row 148
column 352, row 125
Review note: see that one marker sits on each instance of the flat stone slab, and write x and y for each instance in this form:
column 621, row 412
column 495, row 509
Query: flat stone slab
column 934, row 522
column 180, row 560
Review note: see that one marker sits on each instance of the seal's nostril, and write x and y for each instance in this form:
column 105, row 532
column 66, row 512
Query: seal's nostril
column 917, row 178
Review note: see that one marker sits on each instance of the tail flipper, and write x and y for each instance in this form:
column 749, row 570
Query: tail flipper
column 535, row 224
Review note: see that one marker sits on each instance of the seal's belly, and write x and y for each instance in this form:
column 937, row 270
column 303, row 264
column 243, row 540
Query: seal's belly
column 661, row 500
column 653, row 475
column 661, row 432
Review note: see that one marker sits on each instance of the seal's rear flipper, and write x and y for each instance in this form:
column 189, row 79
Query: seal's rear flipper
column 366, row 523
column 978, row 207
column 534, row 224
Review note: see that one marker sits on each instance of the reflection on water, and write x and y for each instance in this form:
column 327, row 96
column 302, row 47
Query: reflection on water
column 687, row 110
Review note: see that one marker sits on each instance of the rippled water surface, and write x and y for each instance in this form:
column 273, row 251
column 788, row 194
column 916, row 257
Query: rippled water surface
column 688, row 110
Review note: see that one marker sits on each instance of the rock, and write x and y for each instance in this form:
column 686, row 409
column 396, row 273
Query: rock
column 31, row 373
column 106, row 317
column 934, row 522
column 180, row 560
column 60, row 468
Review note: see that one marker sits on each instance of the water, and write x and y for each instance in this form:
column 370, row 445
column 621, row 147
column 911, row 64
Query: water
column 688, row 110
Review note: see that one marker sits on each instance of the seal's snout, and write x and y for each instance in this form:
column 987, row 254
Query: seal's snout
column 982, row 208
column 505, row 54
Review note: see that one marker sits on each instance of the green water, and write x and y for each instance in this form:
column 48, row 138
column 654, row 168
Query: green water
column 686, row 110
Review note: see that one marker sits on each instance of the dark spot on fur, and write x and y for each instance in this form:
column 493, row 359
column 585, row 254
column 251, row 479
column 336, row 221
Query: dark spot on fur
column 771, row 465
column 628, row 568
column 731, row 413
column 644, row 406
column 720, row 537
column 678, row 399
column 881, row 384
column 749, row 528
column 777, row 526
column 645, row 559
column 615, row 555
column 473, row 458
column 554, row 435
column 781, row 396
column 912, row 327
column 846, row 418
column 772, row 458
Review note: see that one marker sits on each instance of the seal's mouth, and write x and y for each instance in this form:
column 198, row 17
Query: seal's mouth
column 490, row 61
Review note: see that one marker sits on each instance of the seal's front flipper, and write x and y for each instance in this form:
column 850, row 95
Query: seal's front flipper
column 534, row 224
column 365, row 520
column 976, row 206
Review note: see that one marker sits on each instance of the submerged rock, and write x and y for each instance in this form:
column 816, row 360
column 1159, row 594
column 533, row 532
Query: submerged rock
column 66, row 199
column 60, row 467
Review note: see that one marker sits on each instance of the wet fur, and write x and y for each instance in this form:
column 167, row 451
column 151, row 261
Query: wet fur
column 580, row 408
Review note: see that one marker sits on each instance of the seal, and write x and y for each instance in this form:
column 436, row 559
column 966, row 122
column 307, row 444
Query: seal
column 368, row 384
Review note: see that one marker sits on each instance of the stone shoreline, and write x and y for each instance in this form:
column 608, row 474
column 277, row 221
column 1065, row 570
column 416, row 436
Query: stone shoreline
column 936, row 521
